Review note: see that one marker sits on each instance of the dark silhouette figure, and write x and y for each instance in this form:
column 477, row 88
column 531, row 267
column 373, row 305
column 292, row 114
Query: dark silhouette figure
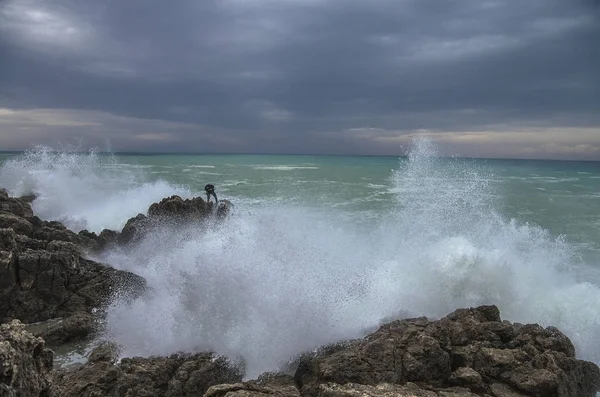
column 210, row 190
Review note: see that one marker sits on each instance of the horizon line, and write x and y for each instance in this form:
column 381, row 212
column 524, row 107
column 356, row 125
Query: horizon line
column 181, row 153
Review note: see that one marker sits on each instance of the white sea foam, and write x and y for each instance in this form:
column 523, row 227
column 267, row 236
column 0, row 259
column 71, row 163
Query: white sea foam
column 83, row 190
column 275, row 282
column 272, row 282
column 206, row 173
column 284, row 167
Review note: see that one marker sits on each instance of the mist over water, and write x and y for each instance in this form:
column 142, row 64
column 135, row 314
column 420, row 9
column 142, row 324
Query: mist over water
column 280, row 279
column 82, row 190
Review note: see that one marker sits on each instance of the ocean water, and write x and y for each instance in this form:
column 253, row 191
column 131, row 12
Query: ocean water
column 323, row 248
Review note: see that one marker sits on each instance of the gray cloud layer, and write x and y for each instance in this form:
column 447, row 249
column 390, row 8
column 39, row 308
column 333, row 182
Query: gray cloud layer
column 303, row 75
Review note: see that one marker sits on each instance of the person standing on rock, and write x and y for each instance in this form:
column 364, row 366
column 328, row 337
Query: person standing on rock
column 210, row 189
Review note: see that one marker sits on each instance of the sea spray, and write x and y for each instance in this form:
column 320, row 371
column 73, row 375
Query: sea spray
column 275, row 282
column 83, row 190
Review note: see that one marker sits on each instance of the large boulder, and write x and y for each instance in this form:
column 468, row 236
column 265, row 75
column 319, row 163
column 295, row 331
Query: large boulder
column 55, row 231
column 176, row 207
column 179, row 375
column 98, row 242
column 25, row 363
column 57, row 282
column 78, row 326
column 268, row 385
column 134, row 229
column 44, row 274
column 172, row 211
column 471, row 349
column 15, row 206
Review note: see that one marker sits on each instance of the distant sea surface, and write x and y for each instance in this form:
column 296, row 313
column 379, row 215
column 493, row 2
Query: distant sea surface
column 320, row 248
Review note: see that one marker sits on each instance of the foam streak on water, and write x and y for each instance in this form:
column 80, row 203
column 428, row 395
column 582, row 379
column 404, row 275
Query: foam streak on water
column 276, row 281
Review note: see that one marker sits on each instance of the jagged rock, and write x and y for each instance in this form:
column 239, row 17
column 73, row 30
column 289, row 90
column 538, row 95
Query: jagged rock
column 89, row 238
column 7, row 271
column 196, row 208
column 224, row 208
column 465, row 376
column 29, row 198
column 24, row 243
column 94, row 242
column 25, row 363
column 387, row 390
column 251, row 389
column 171, row 210
column 18, row 224
column 174, row 376
column 133, row 229
column 106, row 352
column 8, row 240
column 55, row 231
column 106, row 238
column 43, row 274
column 175, row 206
column 471, row 348
column 70, row 329
column 58, row 282
column 502, row 390
column 276, row 385
column 14, row 206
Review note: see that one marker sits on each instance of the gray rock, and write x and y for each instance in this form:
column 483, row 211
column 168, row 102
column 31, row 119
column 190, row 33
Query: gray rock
column 58, row 282
column 77, row 327
column 25, row 363
column 174, row 376
column 18, row 224
column 469, row 348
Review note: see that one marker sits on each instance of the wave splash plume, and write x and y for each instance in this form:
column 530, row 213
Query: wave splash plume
column 280, row 281
column 274, row 282
column 83, row 190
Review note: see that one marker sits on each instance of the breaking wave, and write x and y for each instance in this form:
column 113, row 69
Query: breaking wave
column 83, row 190
column 272, row 282
column 280, row 281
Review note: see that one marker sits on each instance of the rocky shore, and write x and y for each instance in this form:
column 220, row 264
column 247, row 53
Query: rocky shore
column 45, row 274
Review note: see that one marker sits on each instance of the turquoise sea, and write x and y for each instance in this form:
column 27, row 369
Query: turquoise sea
column 320, row 248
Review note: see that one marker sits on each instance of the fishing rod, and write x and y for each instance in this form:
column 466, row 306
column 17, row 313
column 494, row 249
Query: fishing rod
column 223, row 174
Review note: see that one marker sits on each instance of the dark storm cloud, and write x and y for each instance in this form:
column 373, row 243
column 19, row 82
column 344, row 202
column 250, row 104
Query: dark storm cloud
column 301, row 75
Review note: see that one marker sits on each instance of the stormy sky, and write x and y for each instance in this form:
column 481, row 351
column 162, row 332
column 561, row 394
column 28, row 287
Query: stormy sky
column 483, row 78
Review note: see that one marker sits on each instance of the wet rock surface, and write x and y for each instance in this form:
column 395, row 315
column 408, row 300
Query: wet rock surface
column 471, row 349
column 78, row 326
column 173, row 376
column 43, row 270
column 25, row 363
column 172, row 211
column 57, row 282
